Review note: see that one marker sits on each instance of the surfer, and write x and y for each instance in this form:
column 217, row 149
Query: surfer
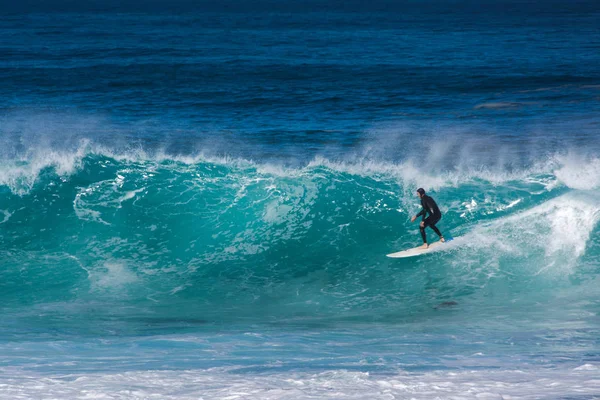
column 431, row 208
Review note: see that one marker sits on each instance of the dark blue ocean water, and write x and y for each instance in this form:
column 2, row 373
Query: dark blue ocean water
column 196, row 199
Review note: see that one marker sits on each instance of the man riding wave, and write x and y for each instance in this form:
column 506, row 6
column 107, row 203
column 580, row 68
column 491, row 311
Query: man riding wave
column 429, row 207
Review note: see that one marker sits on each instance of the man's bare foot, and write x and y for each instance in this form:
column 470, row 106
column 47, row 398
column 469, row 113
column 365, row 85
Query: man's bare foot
column 442, row 240
column 425, row 245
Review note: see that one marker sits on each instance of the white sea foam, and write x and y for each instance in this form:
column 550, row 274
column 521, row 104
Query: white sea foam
column 220, row 383
column 112, row 275
column 559, row 229
column 579, row 172
column 7, row 215
column 21, row 174
column 454, row 161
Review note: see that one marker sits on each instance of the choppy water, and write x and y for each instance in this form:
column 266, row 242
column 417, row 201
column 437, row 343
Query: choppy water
column 197, row 202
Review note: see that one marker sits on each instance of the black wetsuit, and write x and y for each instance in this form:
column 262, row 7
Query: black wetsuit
column 431, row 208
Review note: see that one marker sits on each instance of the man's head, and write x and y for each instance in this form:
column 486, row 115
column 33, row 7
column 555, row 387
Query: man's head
column 420, row 192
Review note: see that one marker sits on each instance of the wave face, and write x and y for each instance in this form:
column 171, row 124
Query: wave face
column 90, row 237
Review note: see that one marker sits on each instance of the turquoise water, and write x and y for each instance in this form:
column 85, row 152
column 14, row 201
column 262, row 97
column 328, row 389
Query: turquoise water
column 118, row 264
column 220, row 241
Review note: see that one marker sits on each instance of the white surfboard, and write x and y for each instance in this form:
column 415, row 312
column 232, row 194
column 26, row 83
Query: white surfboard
column 418, row 251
